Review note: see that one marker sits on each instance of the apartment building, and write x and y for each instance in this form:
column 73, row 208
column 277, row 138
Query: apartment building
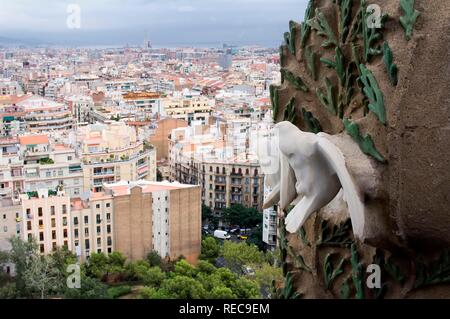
column 12, row 180
column 111, row 153
column 160, row 137
column 43, row 115
column 147, row 103
column 215, row 158
column 164, row 217
column 50, row 165
column 45, row 216
column 196, row 108
column 9, row 87
column 12, row 121
column 92, row 225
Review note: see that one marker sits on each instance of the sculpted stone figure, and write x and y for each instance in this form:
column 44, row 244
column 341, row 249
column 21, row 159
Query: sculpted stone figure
column 308, row 170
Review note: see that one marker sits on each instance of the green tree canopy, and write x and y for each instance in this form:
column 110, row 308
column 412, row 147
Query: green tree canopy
column 240, row 215
column 210, row 249
column 237, row 255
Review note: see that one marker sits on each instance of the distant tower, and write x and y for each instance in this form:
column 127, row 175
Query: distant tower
column 147, row 44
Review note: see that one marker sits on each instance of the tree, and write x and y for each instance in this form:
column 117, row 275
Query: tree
column 222, row 293
column 184, row 268
column 246, row 289
column 42, row 277
column 106, row 267
column 91, row 288
column 205, row 267
column 210, row 249
column 265, row 275
column 153, row 276
column 237, row 255
column 240, row 215
column 62, row 257
column 206, row 212
column 21, row 255
column 154, row 259
column 256, row 238
column 97, row 266
column 182, row 287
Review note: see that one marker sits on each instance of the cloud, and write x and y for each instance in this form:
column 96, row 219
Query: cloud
column 168, row 19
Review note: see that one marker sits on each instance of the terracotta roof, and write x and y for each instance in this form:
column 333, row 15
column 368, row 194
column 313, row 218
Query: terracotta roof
column 141, row 95
column 33, row 139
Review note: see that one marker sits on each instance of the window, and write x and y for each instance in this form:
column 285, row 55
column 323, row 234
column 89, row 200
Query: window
column 53, row 222
column 41, row 248
column 86, row 243
column 53, row 234
column 108, row 229
column 28, row 213
column 40, row 211
column 98, row 230
column 65, row 221
column 75, row 220
column 65, row 233
column 41, row 236
column 109, row 240
column 66, row 243
column 98, row 219
column 86, row 231
column 52, row 210
column 5, row 229
column 76, row 233
column 30, row 237
column 60, row 173
column 86, row 219
column 108, row 205
column 99, row 241
column 99, row 250
column 4, row 216
column 108, row 216
column 48, row 174
column 97, row 206
column 109, row 250
column 64, row 209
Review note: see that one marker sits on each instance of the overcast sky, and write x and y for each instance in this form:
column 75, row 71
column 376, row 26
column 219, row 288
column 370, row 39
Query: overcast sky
column 167, row 22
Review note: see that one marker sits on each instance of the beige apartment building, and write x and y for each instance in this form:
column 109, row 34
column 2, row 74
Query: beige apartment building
column 46, row 217
column 92, row 225
column 190, row 109
column 112, row 153
column 218, row 160
column 133, row 218
column 164, row 217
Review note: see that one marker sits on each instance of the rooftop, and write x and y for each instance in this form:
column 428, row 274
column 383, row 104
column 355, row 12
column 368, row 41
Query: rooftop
column 33, row 139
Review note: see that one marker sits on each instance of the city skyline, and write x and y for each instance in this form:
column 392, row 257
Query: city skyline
column 120, row 23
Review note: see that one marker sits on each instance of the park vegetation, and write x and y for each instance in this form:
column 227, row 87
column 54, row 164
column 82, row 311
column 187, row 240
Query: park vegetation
column 221, row 272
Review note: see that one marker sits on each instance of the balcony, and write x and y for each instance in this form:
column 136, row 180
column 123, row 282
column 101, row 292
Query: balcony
column 104, row 173
column 5, row 191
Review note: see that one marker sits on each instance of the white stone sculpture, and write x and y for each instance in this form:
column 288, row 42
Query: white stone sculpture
column 307, row 170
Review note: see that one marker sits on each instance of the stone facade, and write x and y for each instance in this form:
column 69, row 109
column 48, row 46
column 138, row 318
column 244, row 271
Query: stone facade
column 385, row 90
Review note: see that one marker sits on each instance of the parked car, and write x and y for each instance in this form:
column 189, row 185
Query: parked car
column 221, row 234
column 243, row 237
